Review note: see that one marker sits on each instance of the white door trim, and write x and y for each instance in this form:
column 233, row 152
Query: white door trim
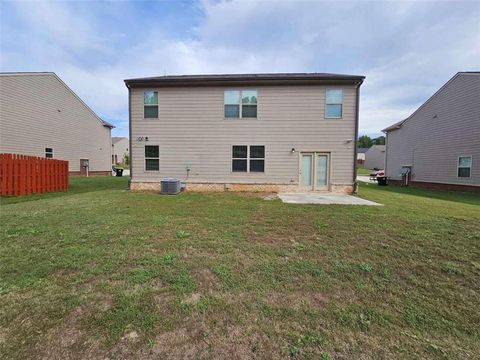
column 313, row 167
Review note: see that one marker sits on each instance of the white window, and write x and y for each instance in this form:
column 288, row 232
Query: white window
column 49, row 153
column 240, row 104
column 152, row 158
column 248, row 158
column 333, row 103
column 150, row 104
column 464, row 166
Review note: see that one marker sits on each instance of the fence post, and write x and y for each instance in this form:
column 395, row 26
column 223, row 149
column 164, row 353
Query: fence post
column 10, row 175
column 3, row 175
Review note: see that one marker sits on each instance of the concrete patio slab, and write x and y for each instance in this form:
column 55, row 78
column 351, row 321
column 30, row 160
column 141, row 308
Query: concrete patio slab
column 324, row 199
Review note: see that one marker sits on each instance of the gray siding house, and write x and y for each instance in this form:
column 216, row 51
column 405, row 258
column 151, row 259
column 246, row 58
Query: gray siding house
column 41, row 116
column 375, row 157
column 119, row 149
column 245, row 132
column 440, row 141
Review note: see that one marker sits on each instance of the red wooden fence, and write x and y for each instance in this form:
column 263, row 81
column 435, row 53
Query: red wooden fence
column 22, row 175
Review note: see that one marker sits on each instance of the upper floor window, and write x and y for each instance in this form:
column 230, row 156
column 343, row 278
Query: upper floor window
column 333, row 103
column 248, row 158
column 240, row 104
column 464, row 166
column 150, row 104
column 49, row 153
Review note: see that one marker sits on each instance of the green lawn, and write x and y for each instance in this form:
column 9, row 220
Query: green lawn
column 101, row 272
column 361, row 170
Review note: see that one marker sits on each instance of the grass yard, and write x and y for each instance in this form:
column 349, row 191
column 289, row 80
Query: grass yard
column 101, row 272
column 362, row 170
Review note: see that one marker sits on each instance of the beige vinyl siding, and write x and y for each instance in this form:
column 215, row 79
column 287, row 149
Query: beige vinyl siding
column 191, row 130
column 120, row 149
column 30, row 121
column 444, row 128
column 375, row 157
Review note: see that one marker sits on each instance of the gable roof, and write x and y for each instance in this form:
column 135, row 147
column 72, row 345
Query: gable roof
column 116, row 139
column 378, row 147
column 103, row 122
column 244, row 79
column 399, row 124
column 395, row 126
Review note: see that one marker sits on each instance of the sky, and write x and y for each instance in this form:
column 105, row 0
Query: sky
column 406, row 49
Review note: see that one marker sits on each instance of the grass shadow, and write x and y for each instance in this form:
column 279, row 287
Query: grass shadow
column 470, row 198
column 77, row 185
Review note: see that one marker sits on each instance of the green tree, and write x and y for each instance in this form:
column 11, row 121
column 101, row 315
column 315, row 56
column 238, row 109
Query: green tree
column 365, row 141
column 379, row 140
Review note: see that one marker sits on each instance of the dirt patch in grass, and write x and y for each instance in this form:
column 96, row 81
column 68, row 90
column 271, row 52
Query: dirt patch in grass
column 297, row 300
column 196, row 340
column 207, row 281
column 181, row 343
column 69, row 339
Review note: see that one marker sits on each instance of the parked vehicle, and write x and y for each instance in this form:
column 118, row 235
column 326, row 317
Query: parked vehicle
column 377, row 172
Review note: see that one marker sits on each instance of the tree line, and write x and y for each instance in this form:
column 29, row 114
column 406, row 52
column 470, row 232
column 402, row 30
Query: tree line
column 366, row 141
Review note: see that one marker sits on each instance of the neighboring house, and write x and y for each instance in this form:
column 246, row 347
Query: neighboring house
column 375, row 157
column 440, row 141
column 361, row 155
column 119, row 149
column 41, row 116
column 254, row 132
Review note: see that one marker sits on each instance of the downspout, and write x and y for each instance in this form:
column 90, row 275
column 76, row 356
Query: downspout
column 356, row 139
column 111, row 152
column 130, row 134
column 386, row 154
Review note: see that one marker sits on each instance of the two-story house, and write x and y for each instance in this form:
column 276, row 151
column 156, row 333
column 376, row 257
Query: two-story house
column 119, row 150
column 439, row 144
column 41, row 116
column 245, row 132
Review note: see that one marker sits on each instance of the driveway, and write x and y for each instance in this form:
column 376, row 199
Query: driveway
column 364, row 178
column 324, row 199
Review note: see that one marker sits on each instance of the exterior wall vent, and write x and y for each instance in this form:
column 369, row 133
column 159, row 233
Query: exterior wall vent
column 170, row 186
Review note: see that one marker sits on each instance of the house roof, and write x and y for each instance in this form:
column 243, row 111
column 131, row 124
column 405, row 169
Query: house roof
column 378, row 147
column 362, row 150
column 395, row 126
column 103, row 122
column 244, row 79
column 116, row 139
column 399, row 124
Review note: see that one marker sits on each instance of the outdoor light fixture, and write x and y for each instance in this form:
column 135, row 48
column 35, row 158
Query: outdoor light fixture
column 293, row 151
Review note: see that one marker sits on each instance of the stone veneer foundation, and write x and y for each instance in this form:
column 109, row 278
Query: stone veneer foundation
column 221, row 187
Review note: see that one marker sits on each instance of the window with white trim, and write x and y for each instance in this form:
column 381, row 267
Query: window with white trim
column 49, row 153
column 333, row 103
column 240, row 103
column 152, row 158
column 150, row 104
column 248, row 158
column 464, row 166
